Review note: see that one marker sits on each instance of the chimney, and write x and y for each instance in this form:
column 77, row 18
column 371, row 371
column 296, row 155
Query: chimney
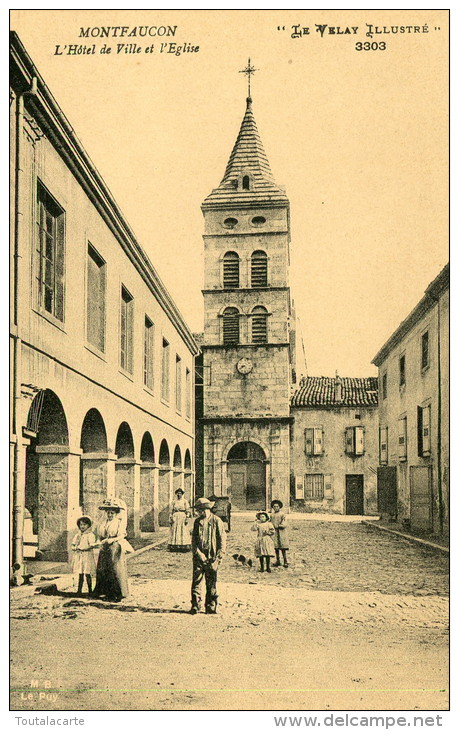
column 338, row 388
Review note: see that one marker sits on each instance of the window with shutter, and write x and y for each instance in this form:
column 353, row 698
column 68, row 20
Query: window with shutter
column 165, row 369
column 309, row 441
column 126, row 330
column 50, row 254
column 314, row 486
column 359, row 439
column 231, row 270
column 402, row 438
column 318, row 441
column 95, row 299
column 313, row 441
column 259, row 269
column 425, row 350
column 384, row 386
column 349, row 440
column 383, row 445
column 259, row 325
column 426, row 447
column 231, row 326
column 148, row 343
column 178, row 383
column 402, row 370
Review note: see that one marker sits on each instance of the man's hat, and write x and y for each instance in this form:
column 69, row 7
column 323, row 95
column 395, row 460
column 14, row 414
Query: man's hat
column 203, row 503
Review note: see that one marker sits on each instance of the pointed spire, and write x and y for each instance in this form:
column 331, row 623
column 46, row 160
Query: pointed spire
column 248, row 178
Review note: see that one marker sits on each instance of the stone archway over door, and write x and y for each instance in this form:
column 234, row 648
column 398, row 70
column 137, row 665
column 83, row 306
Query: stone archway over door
column 246, row 471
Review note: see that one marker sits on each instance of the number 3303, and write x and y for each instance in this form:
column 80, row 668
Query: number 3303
column 370, row 46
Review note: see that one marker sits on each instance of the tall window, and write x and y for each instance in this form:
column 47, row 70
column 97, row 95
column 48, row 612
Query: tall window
column 314, row 486
column 259, row 269
column 231, row 270
column 402, row 370
column 178, row 383
column 424, row 431
column 148, row 344
column 425, row 350
column 313, row 441
column 383, row 444
column 165, row 370
column 384, row 386
column 246, row 182
column 402, row 438
column 231, row 326
column 355, row 440
column 95, row 299
column 188, row 392
column 50, row 254
column 126, row 330
column 259, row 325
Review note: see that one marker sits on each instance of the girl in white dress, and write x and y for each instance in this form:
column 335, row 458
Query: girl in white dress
column 264, row 545
column 83, row 549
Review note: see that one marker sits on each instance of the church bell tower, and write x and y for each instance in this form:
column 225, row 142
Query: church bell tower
column 248, row 335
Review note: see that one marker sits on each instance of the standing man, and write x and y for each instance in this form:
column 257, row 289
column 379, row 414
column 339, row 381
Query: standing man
column 208, row 545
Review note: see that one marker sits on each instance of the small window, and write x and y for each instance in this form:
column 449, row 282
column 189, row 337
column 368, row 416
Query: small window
column 165, row 370
column 126, row 330
column 148, row 343
column 231, row 326
column 384, row 386
column 314, row 441
column 402, row 438
column 246, row 182
column 259, row 325
column 230, row 222
column 231, row 270
column 178, row 383
column 50, row 254
column 401, row 370
column 259, row 269
column 259, row 220
column 314, row 486
column 425, row 350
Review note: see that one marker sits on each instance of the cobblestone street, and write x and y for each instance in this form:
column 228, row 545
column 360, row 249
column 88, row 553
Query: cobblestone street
column 358, row 621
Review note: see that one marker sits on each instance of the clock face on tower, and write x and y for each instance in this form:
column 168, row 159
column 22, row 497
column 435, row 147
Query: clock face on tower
column 244, row 366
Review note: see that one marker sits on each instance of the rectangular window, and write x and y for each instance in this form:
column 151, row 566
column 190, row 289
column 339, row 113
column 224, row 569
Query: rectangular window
column 355, row 440
column 384, row 386
column 383, row 444
column 425, row 350
column 401, row 370
column 314, row 486
column 188, row 392
column 313, row 441
column 126, row 330
column 95, row 299
column 148, row 344
column 165, row 366
column 402, row 438
column 50, row 254
column 178, row 383
column 424, row 431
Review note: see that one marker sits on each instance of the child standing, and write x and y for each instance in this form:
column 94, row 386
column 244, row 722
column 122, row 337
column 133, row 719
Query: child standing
column 264, row 546
column 279, row 522
column 82, row 546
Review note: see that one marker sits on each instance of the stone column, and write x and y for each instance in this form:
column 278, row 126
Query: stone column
column 147, row 496
column 53, row 500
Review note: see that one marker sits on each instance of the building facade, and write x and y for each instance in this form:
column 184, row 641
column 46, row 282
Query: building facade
column 102, row 360
column 413, row 473
column 335, row 445
column 247, row 343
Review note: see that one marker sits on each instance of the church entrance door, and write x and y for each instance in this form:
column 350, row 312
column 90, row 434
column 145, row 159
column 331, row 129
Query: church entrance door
column 247, row 476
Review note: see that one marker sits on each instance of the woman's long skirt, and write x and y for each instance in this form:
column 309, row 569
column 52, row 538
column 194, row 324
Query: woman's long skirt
column 179, row 534
column 111, row 574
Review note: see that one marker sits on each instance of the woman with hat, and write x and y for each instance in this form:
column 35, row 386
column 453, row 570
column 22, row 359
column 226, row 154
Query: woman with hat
column 179, row 533
column 82, row 546
column 279, row 522
column 111, row 575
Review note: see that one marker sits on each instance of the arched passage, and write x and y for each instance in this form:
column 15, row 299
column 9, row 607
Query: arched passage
column 147, row 484
column 188, row 475
column 165, row 486
column 93, row 463
column 247, row 475
column 46, row 482
column 125, row 472
column 177, row 478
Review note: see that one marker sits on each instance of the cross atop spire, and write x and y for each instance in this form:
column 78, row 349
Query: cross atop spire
column 249, row 70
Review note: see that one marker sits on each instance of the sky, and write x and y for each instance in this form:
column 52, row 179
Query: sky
column 359, row 139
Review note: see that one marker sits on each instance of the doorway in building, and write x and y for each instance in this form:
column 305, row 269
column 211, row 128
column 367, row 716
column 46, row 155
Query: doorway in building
column 247, row 476
column 354, row 494
column 421, row 513
column 387, row 490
